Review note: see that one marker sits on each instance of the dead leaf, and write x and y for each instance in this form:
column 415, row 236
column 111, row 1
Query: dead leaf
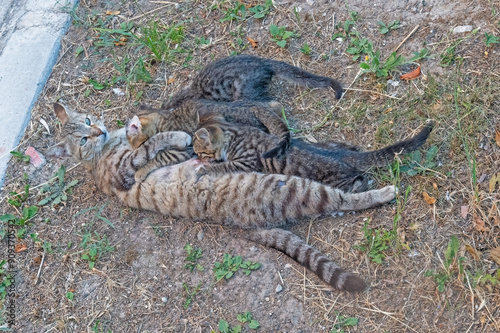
column 253, row 42
column 411, row 75
column 472, row 251
column 20, row 247
column 121, row 42
column 493, row 182
column 435, row 186
column 495, row 255
column 479, row 223
column 112, row 12
column 171, row 80
column 497, row 137
column 430, row 200
column 464, row 210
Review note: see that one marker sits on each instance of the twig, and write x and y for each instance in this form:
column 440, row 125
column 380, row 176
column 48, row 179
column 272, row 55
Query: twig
column 406, row 38
column 151, row 11
column 40, row 268
column 374, row 92
column 471, row 296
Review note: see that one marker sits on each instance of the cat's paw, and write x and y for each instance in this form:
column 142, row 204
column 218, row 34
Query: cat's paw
column 388, row 193
column 180, row 139
column 141, row 175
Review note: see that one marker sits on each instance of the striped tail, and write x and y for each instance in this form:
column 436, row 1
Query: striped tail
column 293, row 246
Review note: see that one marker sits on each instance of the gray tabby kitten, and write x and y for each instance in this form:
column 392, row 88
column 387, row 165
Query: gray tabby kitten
column 246, row 77
column 230, row 148
column 252, row 201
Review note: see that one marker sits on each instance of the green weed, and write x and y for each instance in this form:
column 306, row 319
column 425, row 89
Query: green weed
column 260, row 11
column 59, row 191
column 236, row 13
column 343, row 322
column 97, row 215
column 6, row 280
column 450, row 261
column 359, row 46
column 374, row 66
column 27, row 214
column 385, row 28
column 162, row 41
column 192, row 258
column 490, row 39
column 189, row 295
column 230, row 265
column 94, row 247
column 21, row 156
column 243, row 318
column 306, row 50
column 280, row 35
column 414, row 164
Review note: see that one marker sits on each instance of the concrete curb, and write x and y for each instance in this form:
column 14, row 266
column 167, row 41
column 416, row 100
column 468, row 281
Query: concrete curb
column 30, row 36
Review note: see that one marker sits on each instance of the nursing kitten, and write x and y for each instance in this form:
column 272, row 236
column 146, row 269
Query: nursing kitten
column 234, row 148
column 246, row 77
column 252, row 201
column 264, row 116
column 163, row 158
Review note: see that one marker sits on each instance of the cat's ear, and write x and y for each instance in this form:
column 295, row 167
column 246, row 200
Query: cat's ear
column 61, row 112
column 203, row 113
column 59, row 150
column 203, row 135
column 134, row 125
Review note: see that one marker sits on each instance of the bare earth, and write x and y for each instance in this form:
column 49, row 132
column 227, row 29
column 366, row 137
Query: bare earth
column 140, row 286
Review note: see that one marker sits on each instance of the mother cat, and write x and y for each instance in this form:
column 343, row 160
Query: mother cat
column 251, row 201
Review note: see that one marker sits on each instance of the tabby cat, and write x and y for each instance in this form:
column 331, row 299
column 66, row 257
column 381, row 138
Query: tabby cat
column 186, row 118
column 252, row 201
column 233, row 148
column 246, row 77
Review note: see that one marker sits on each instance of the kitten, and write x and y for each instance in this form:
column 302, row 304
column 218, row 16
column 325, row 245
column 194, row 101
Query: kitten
column 264, row 116
column 258, row 202
column 163, row 158
column 240, row 148
column 246, row 77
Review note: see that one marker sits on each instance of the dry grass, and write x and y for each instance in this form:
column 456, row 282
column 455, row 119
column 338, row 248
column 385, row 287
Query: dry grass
column 127, row 289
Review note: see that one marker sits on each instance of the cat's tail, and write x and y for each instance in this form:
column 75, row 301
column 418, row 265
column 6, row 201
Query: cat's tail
column 304, row 78
column 307, row 256
column 378, row 158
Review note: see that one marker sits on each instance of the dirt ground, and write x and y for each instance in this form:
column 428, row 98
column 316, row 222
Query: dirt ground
column 139, row 282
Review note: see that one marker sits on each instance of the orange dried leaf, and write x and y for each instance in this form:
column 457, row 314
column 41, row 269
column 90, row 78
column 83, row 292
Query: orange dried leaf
column 171, row 80
column 253, row 42
column 472, row 251
column 112, row 12
column 479, row 223
column 430, row 200
column 411, row 75
column 495, row 255
column 464, row 210
column 20, row 248
column 497, row 137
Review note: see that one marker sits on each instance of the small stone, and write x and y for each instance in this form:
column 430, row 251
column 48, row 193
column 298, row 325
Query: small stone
column 37, row 159
column 201, row 235
column 279, row 288
column 164, row 299
column 337, row 124
column 462, row 29
column 267, row 299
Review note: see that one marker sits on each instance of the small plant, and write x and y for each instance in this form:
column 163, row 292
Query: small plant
column 94, row 247
column 192, row 258
column 350, row 22
column 373, row 64
column 451, row 262
column 6, row 280
column 98, row 214
column 59, row 191
column 343, row 322
column 414, row 163
column 375, row 243
column 490, row 39
column 242, row 318
column 70, row 295
column 280, row 35
column 359, row 46
column 201, row 40
column 17, row 199
column 237, row 13
column 21, row 156
column 231, row 265
column 27, row 214
column 189, row 295
column 306, row 50
column 260, row 11
column 385, row 28
column 161, row 41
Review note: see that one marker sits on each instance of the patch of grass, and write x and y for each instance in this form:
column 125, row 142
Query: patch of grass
column 490, row 39
column 306, row 50
column 260, row 11
column 448, row 55
column 58, row 192
column 94, row 247
column 451, row 263
column 280, row 35
column 243, row 318
column 359, row 46
column 237, row 12
column 230, row 265
column 343, row 322
column 385, row 28
column 190, row 294
column 162, row 41
column 373, row 65
column 97, row 215
column 192, row 258
column 414, row 164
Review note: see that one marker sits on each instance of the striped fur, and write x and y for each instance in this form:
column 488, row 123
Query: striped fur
column 246, row 77
column 250, row 201
column 233, row 148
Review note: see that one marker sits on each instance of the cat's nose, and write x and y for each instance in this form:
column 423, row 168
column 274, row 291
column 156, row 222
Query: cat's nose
column 97, row 131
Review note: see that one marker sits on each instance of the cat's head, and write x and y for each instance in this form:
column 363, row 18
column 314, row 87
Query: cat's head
column 84, row 135
column 134, row 132
column 208, row 143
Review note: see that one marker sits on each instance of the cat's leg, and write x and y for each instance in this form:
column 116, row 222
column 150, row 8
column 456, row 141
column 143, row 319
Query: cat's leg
column 275, row 126
column 226, row 167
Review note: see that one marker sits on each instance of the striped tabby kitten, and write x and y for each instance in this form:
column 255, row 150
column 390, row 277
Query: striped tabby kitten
column 232, row 148
column 246, row 77
column 263, row 115
column 252, row 201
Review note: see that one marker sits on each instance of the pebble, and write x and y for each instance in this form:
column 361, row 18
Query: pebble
column 462, row 28
column 201, row 235
column 164, row 299
column 279, row 288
